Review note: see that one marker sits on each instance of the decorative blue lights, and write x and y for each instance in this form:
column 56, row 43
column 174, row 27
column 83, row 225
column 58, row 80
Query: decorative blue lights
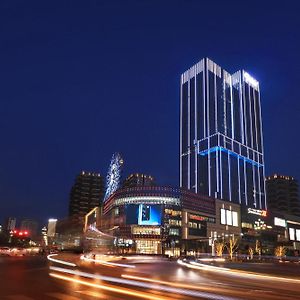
column 114, row 175
column 218, row 148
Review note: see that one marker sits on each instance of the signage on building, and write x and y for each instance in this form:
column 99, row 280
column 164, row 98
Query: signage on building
column 202, row 218
column 258, row 212
column 279, row 222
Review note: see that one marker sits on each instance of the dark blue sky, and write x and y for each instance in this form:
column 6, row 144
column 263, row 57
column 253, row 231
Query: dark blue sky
column 80, row 80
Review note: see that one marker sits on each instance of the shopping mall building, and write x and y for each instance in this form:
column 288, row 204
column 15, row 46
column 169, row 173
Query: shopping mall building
column 162, row 220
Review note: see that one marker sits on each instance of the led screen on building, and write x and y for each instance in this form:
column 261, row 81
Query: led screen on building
column 143, row 214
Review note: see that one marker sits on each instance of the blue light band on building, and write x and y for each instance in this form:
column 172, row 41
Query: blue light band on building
column 214, row 149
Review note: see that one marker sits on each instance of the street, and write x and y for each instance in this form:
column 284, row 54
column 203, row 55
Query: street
column 27, row 278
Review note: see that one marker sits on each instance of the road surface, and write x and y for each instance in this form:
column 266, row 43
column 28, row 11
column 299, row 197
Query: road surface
column 35, row 278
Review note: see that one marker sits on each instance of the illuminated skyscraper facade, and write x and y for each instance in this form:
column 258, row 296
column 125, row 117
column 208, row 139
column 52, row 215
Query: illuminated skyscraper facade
column 221, row 141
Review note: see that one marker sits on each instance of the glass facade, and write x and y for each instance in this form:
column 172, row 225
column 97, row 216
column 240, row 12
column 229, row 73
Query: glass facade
column 221, row 143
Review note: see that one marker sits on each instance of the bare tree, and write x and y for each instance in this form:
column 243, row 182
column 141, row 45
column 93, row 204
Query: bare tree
column 258, row 248
column 219, row 246
column 232, row 245
column 280, row 251
column 251, row 252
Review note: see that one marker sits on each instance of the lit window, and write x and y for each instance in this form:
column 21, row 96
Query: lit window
column 298, row 234
column 235, row 219
column 229, row 217
column 292, row 234
column 223, row 216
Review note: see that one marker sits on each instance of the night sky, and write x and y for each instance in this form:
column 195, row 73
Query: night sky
column 80, row 80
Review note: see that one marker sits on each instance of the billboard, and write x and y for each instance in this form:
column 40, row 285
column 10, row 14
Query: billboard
column 143, row 214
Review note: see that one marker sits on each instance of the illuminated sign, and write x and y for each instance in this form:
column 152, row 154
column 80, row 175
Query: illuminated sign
column 145, row 230
column 258, row 212
column 201, row 218
column 123, row 242
column 279, row 222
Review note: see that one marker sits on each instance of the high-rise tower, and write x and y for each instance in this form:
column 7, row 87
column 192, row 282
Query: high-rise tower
column 221, row 142
column 86, row 193
column 282, row 194
column 138, row 179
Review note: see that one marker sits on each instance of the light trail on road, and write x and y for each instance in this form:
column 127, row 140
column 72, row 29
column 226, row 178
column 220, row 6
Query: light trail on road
column 140, row 284
column 59, row 261
column 108, row 263
column 177, row 284
column 109, row 288
column 235, row 272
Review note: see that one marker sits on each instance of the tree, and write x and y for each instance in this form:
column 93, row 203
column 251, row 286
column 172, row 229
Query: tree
column 232, row 245
column 250, row 251
column 258, row 248
column 219, row 246
column 280, row 251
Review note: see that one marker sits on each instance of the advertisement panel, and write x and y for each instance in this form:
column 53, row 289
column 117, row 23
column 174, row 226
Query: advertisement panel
column 279, row 222
column 143, row 214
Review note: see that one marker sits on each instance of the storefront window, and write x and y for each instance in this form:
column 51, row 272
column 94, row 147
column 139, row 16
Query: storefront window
column 148, row 246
